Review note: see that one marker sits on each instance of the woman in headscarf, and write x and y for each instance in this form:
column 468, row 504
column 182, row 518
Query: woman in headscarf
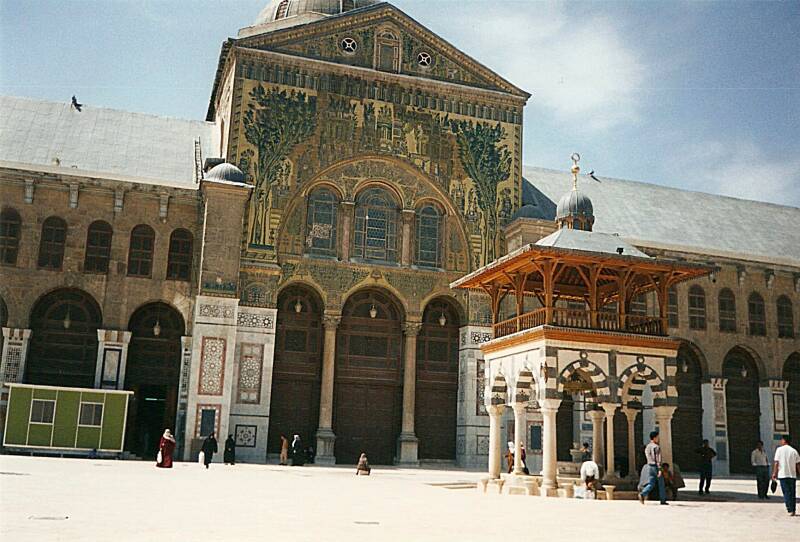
column 510, row 457
column 524, row 456
column 166, row 447
column 363, row 469
column 298, row 453
column 230, row 451
column 209, row 449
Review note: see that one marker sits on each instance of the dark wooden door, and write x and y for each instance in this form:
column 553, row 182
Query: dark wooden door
column 742, row 405
column 565, row 428
column 791, row 373
column 687, row 423
column 437, row 381
column 368, row 379
column 296, row 373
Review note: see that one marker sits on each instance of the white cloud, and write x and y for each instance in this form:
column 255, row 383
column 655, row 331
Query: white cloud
column 579, row 68
column 740, row 169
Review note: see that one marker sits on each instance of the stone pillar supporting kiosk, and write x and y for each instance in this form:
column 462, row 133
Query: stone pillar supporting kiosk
column 610, row 357
column 630, row 414
column 664, row 418
column 495, row 444
column 520, row 420
column 598, row 445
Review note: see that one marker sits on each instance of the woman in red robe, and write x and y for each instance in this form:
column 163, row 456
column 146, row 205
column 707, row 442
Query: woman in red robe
column 165, row 449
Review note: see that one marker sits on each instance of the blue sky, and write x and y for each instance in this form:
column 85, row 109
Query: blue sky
column 702, row 95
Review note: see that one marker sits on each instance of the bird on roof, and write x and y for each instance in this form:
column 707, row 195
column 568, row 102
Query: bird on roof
column 75, row 105
column 591, row 174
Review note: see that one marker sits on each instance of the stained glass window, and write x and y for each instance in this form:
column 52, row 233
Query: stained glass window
column 697, row 308
column 9, row 236
column 376, row 226
column 429, row 237
column 98, row 247
column 758, row 320
column 321, row 223
column 727, row 311
column 785, row 317
column 51, row 246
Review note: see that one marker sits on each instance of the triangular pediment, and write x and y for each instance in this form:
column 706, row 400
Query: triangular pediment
column 383, row 38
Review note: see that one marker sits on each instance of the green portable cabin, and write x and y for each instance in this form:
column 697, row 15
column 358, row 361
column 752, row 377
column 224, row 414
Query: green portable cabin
column 78, row 420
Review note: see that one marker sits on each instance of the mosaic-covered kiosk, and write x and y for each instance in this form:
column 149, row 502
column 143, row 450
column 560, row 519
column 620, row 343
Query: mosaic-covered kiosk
column 65, row 420
column 574, row 337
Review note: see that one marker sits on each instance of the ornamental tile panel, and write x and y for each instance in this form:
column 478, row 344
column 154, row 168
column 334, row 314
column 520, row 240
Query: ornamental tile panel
column 212, row 366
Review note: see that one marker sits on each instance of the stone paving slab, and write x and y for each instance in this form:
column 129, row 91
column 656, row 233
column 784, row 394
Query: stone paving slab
column 132, row 500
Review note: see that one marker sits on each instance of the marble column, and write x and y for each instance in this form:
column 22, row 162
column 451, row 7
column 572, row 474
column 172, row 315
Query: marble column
column 112, row 356
column 325, row 435
column 407, row 442
column 630, row 414
column 348, row 208
column 664, row 418
column 15, row 352
column 549, row 408
column 495, row 450
column 520, row 418
column 407, row 242
column 597, row 417
column 610, row 408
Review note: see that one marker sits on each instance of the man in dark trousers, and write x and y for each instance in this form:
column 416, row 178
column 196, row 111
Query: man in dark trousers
column 706, row 454
column 209, row 449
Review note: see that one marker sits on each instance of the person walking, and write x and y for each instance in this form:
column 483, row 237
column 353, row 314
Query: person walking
column 786, row 470
column 229, row 457
column 298, row 453
column 166, row 448
column 706, row 454
column 209, row 449
column 653, row 454
column 524, row 455
column 510, row 457
column 284, row 450
column 760, row 463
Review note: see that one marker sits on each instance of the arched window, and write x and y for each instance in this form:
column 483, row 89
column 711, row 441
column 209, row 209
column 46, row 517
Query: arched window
column 282, row 11
column 376, row 226
column 10, row 228
column 672, row 307
column 785, row 317
column 321, row 223
column 727, row 311
column 697, row 307
column 98, row 247
column 429, row 237
column 140, row 252
column 179, row 260
column 51, row 246
column 757, row 315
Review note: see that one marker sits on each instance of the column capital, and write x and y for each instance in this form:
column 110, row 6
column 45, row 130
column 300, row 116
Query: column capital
column 549, row 405
column 597, row 415
column 113, row 336
column 412, row 329
column 517, row 407
column 347, row 203
column 331, row 321
column 16, row 334
column 778, row 385
column 609, row 408
column 718, row 383
column 495, row 410
column 664, row 412
column 631, row 413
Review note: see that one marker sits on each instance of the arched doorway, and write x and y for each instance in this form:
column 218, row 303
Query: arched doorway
column 63, row 348
column 368, row 378
column 296, row 374
column 687, row 423
column 791, row 373
column 742, row 406
column 578, row 397
column 437, row 381
column 152, row 373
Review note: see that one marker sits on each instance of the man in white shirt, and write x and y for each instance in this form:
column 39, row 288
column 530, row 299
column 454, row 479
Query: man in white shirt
column 760, row 463
column 787, row 465
column 590, row 476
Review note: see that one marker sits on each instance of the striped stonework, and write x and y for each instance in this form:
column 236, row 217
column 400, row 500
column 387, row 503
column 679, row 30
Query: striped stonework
column 633, row 381
column 600, row 391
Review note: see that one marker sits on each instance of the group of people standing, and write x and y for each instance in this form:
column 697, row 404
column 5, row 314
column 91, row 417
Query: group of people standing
column 299, row 454
column 510, row 457
column 166, row 450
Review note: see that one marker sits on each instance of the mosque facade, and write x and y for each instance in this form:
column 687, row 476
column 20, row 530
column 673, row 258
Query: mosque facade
column 284, row 266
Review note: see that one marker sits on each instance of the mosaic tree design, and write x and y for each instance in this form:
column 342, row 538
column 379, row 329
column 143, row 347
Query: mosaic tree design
column 488, row 163
column 275, row 122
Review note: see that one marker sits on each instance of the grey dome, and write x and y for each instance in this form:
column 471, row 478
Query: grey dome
column 225, row 172
column 299, row 7
column 574, row 204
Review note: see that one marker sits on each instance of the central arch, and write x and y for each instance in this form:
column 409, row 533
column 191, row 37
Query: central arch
column 742, row 407
column 437, row 380
column 152, row 372
column 368, row 377
column 63, row 348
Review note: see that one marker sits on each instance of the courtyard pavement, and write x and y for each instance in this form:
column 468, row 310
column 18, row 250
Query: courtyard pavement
column 50, row 499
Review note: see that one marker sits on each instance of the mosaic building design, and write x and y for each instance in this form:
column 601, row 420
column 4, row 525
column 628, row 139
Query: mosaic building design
column 284, row 266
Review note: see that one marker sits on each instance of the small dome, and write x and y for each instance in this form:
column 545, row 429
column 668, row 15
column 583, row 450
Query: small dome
column 282, row 9
column 575, row 211
column 574, row 203
column 225, row 172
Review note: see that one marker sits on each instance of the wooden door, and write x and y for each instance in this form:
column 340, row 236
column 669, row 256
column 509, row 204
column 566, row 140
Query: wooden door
column 687, row 423
column 742, row 405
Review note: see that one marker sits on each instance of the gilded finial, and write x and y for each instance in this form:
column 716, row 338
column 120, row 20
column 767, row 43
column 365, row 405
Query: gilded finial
column 575, row 169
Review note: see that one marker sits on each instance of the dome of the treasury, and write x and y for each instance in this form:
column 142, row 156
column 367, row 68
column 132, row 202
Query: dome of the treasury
column 225, row 172
column 282, row 9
